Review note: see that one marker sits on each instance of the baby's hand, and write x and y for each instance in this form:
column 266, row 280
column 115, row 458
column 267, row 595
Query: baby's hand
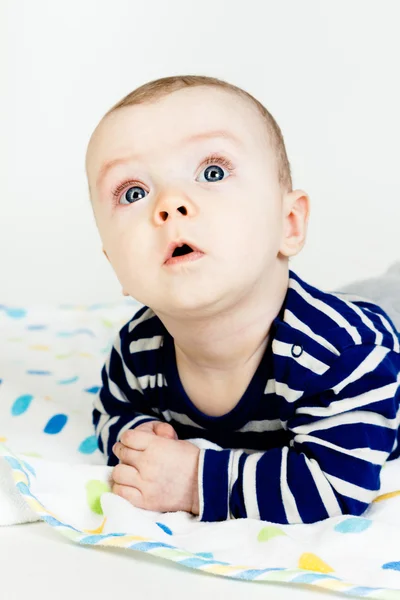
column 157, row 472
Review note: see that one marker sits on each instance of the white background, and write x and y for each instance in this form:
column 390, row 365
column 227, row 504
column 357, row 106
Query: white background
column 328, row 71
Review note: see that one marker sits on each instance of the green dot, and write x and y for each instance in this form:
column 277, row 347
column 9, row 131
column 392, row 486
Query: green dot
column 94, row 489
column 267, row 533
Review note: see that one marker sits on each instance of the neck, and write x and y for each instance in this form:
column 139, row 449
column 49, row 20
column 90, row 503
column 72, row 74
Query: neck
column 231, row 339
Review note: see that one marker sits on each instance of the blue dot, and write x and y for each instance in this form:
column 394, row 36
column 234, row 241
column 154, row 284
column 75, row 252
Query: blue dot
column 23, row 488
column 55, row 424
column 35, row 372
column 93, row 390
column 353, row 525
column 68, row 381
column 21, row 404
column 89, row 445
column 96, row 306
column 392, row 565
column 164, row 528
column 29, row 467
column 13, row 462
column 16, row 313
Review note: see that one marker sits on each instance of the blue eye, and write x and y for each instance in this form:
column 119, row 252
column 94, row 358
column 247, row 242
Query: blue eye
column 133, row 194
column 214, row 169
column 215, row 172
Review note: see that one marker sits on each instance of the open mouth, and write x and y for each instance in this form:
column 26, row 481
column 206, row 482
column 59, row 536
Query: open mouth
column 182, row 250
column 183, row 253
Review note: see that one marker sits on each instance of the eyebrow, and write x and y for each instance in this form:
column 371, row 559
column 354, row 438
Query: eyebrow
column 107, row 166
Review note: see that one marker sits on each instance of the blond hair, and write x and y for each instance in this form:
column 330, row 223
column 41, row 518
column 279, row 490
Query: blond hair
column 153, row 90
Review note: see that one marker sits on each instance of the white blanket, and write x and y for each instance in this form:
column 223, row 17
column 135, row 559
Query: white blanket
column 51, row 469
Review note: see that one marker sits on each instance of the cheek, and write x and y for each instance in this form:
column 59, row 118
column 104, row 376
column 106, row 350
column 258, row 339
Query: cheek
column 255, row 239
column 125, row 252
column 120, row 236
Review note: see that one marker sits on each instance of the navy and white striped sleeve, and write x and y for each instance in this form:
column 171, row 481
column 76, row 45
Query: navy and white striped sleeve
column 120, row 404
column 340, row 439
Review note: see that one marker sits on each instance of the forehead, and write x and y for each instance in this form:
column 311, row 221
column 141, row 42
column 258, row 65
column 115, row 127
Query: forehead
column 157, row 127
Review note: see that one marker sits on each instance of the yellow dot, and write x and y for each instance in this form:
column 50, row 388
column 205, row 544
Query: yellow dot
column 311, row 562
column 98, row 530
column 39, row 347
column 3, row 439
column 386, row 496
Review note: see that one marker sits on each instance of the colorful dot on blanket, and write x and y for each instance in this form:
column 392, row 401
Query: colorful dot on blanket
column 97, row 306
column 267, row 533
column 56, row 424
column 312, row 562
column 39, row 347
column 353, row 525
column 92, row 390
column 94, row 489
column 164, row 528
column 107, row 323
column 15, row 313
column 28, row 467
column 387, row 496
column 68, row 381
column 33, row 454
column 21, row 404
column 89, row 445
column 395, row 566
column 36, row 372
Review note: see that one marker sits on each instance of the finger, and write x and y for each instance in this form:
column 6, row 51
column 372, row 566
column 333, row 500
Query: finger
column 127, row 455
column 125, row 475
column 165, row 430
column 133, row 495
column 138, row 440
column 129, row 434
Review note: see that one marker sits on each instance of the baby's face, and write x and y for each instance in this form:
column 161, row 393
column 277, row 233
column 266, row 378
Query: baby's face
column 231, row 208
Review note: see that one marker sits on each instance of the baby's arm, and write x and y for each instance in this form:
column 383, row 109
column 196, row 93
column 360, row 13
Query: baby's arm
column 120, row 404
column 340, row 440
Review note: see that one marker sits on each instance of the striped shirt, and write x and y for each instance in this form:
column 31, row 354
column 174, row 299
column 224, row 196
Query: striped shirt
column 309, row 436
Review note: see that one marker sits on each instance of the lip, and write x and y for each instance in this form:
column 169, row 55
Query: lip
column 196, row 252
column 185, row 258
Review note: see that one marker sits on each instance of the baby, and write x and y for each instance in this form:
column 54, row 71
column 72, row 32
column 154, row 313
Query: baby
column 192, row 196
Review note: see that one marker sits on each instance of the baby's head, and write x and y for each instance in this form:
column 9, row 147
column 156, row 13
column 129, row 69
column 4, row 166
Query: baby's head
column 195, row 159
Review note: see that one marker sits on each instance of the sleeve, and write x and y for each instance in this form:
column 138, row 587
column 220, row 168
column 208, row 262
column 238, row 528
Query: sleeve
column 120, row 404
column 339, row 441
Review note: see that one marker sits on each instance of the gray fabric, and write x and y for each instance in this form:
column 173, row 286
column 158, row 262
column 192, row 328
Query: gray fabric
column 383, row 290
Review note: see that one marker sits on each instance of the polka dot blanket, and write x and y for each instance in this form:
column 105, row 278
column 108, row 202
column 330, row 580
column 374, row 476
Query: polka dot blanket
column 51, row 469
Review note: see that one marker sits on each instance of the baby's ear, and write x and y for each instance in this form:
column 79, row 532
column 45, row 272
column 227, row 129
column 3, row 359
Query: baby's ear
column 296, row 215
